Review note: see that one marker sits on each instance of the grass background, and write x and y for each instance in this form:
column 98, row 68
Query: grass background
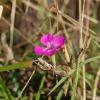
column 76, row 67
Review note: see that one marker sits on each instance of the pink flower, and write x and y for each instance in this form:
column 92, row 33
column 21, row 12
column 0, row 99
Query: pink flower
column 52, row 44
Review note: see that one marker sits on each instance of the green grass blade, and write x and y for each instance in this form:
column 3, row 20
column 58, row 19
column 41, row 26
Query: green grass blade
column 60, row 94
column 61, row 81
column 96, row 43
column 4, row 91
column 24, row 64
column 41, row 86
column 90, row 60
column 58, row 84
column 26, row 85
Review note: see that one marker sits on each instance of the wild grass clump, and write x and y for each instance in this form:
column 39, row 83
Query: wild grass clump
column 49, row 49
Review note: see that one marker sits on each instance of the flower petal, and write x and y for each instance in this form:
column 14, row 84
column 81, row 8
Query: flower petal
column 59, row 41
column 45, row 39
column 49, row 52
column 38, row 50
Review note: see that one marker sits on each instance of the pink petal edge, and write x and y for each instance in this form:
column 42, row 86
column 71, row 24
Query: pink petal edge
column 59, row 41
column 38, row 50
column 45, row 39
column 49, row 52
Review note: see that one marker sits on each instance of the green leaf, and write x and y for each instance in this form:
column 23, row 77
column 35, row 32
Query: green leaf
column 89, row 79
column 24, row 64
column 41, row 86
column 96, row 43
column 90, row 60
column 58, row 84
column 60, row 94
column 4, row 92
column 61, row 81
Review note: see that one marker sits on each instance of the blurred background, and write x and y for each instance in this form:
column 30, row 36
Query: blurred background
column 22, row 24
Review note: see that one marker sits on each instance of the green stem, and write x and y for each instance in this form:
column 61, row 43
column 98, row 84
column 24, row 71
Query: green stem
column 76, row 82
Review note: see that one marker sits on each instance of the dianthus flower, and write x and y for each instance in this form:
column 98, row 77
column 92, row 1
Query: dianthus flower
column 51, row 44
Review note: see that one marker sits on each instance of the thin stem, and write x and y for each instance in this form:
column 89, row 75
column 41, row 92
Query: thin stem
column 1, row 10
column 75, row 82
column 12, row 22
column 82, row 44
column 84, row 85
column 57, row 16
column 26, row 85
column 50, row 22
column 53, row 58
column 56, row 3
column 95, row 85
column 81, row 23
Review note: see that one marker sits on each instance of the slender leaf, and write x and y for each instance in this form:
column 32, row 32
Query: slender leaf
column 41, row 86
column 90, row 60
column 60, row 94
column 4, row 91
column 61, row 81
column 58, row 84
column 20, row 65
